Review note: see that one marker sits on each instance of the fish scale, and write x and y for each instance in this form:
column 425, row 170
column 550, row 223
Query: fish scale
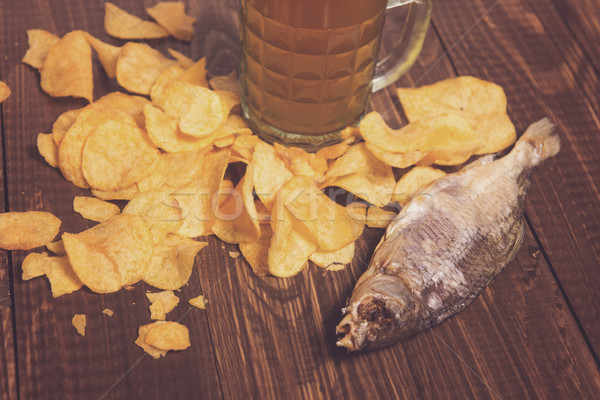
column 449, row 241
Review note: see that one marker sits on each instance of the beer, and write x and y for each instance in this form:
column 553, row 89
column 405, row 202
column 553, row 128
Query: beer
column 307, row 65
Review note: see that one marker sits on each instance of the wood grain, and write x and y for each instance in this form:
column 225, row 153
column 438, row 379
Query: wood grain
column 564, row 199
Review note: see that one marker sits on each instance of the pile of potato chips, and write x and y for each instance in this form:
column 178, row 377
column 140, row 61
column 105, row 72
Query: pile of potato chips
column 189, row 167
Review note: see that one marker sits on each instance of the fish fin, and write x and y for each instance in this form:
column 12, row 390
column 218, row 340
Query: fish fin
column 543, row 137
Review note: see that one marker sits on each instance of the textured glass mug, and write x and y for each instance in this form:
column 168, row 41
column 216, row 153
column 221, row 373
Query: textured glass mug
column 308, row 67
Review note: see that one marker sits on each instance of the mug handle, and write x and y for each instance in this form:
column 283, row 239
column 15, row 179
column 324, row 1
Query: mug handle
column 409, row 45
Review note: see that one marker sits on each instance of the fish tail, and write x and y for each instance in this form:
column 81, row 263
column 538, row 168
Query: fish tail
column 544, row 139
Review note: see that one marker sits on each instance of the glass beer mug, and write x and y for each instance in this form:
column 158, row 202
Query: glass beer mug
column 308, row 67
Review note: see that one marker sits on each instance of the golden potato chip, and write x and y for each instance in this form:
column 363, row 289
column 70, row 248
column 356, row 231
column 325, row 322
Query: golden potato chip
column 112, row 254
column 172, row 73
column 411, row 137
column 161, row 303
column 229, row 83
column 398, row 160
column 199, row 199
column 198, row 302
column 141, row 341
column 4, row 91
column 63, row 123
column 229, row 100
column 243, row 147
column 233, row 254
column 108, row 312
column 196, row 74
column 351, row 133
column 237, row 220
column 324, row 221
column 300, row 162
column 172, row 262
column 184, row 61
column 413, row 181
column 118, row 155
column 334, row 260
column 127, row 193
column 63, row 279
column 120, row 24
column 40, row 42
column 107, row 54
column 67, row 69
column 47, row 148
column 377, row 217
column 79, row 321
column 270, row 173
column 257, row 252
column 27, row 230
column 290, row 247
column 359, row 172
column 57, row 248
column 168, row 336
column 130, row 105
column 172, row 17
column 160, row 211
column 334, row 151
column 481, row 103
column 34, row 265
column 173, row 171
column 224, row 141
column 139, row 66
column 94, row 209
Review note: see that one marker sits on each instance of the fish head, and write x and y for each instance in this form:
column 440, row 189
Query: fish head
column 382, row 311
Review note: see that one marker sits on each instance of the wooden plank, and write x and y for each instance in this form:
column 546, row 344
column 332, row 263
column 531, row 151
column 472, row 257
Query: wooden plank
column 275, row 338
column 564, row 198
column 55, row 362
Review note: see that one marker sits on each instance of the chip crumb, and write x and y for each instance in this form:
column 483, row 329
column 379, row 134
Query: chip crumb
column 199, row 302
column 159, row 337
column 130, row 288
column 79, row 321
column 234, row 254
column 108, row 312
column 4, row 91
column 161, row 303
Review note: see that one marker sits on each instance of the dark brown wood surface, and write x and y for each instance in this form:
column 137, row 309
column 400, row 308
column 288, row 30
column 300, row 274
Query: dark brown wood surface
column 533, row 333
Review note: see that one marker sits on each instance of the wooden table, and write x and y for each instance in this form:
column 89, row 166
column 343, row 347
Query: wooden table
column 533, row 333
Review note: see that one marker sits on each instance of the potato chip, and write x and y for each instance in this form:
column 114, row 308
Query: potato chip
column 94, row 209
column 141, row 341
column 350, row 132
column 243, row 147
column 398, row 160
column 118, row 155
column 160, row 211
column 411, row 137
column 34, row 265
column 67, row 69
column 168, row 336
column 481, row 103
column 120, row 24
column 27, row 230
column 172, row 73
column 63, row 279
column 184, row 61
column 107, row 54
column 233, row 254
column 172, row 262
column 334, row 151
column 172, row 17
column 127, row 193
column 257, row 252
column 139, row 66
column 224, row 141
column 40, row 42
column 196, row 74
column 359, row 172
column 58, row 248
column 199, row 109
column 130, row 105
column 229, row 100
column 334, row 260
column 199, row 198
column 173, row 171
column 79, row 321
column 270, row 173
column 198, row 302
column 237, row 220
column 413, row 181
column 161, row 303
column 63, row 123
column 299, row 162
column 290, row 246
column 229, row 83
column 324, row 221
column 47, row 148
column 108, row 312
column 4, row 91
column 377, row 217
column 112, row 254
